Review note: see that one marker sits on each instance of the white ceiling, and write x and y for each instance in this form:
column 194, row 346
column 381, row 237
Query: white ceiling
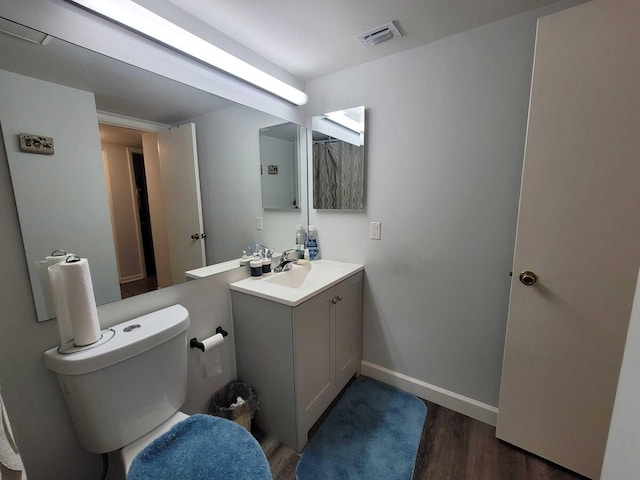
column 312, row 38
column 306, row 38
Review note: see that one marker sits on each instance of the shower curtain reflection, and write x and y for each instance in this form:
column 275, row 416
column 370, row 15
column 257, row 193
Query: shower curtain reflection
column 338, row 175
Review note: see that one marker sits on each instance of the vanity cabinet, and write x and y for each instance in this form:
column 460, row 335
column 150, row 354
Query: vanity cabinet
column 298, row 358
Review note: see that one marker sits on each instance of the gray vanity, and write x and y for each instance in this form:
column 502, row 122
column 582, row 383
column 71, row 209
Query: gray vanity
column 298, row 339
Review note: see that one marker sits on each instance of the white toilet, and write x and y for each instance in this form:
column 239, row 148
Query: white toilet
column 127, row 389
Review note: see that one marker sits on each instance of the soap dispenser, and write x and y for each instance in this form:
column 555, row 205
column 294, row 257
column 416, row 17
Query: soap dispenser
column 312, row 243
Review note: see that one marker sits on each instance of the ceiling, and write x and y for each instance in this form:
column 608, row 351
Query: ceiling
column 313, row 38
column 307, row 38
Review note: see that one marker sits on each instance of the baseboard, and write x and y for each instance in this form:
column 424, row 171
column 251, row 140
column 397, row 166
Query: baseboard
column 132, row 278
column 454, row 401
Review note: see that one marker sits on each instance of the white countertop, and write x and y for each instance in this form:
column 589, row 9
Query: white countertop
column 212, row 269
column 298, row 284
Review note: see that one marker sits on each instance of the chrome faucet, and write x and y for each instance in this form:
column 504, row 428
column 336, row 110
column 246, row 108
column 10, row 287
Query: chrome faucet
column 286, row 263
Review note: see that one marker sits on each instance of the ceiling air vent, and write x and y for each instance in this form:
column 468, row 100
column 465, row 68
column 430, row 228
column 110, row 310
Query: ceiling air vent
column 380, row 34
column 25, row 33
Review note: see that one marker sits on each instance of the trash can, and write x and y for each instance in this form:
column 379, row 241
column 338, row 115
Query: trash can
column 236, row 401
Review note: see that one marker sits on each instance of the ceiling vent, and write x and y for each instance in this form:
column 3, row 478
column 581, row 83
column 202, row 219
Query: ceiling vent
column 25, row 33
column 378, row 35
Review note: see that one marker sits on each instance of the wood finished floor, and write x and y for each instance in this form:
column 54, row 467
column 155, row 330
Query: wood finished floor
column 453, row 447
column 137, row 287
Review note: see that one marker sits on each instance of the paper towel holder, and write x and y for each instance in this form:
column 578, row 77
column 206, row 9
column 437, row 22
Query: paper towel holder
column 194, row 343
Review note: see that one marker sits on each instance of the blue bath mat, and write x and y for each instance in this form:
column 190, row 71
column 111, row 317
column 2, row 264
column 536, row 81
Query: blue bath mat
column 202, row 447
column 373, row 433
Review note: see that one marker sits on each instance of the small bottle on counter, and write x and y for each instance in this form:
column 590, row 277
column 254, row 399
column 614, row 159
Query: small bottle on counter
column 312, row 243
column 266, row 266
column 256, row 268
column 245, row 260
column 301, row 239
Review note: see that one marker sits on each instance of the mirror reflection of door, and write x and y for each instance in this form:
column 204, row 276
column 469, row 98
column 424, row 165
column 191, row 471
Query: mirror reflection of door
column 139, row 204
column 127, row 190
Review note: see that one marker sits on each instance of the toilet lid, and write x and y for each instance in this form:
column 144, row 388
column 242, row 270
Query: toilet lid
column 202, row 447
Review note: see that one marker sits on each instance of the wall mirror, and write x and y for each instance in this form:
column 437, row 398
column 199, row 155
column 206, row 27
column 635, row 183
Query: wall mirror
column 74, row 198
column 339, row 159
column 281, row 148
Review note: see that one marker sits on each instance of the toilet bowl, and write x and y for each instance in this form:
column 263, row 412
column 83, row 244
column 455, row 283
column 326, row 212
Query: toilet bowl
column 126, row 391
column 127, row 453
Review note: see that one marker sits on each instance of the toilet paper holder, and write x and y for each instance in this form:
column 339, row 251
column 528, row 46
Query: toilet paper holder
column 195, row 343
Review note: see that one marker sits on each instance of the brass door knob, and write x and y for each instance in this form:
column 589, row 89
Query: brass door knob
column 528, row 278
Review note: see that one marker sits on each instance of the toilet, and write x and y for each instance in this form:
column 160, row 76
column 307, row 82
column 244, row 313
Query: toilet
column 126, row 390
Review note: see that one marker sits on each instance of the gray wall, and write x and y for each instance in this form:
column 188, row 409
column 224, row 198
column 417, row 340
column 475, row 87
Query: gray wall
column 445, row 136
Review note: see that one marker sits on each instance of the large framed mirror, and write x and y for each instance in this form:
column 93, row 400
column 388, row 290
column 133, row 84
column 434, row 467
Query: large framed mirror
column 134, row 152
column 339, row 159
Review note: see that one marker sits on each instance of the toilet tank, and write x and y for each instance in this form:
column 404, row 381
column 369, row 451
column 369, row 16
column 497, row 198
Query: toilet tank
column 119, row 390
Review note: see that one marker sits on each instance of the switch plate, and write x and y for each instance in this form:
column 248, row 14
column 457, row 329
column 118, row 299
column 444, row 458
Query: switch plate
column 258, row 223
column 374, row 230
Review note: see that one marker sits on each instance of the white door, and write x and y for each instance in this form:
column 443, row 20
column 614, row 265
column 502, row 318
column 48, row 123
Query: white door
column 578, row 232
column 181, row 191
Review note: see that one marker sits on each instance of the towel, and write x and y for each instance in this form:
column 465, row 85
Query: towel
column 203, row 447
column 11, row 467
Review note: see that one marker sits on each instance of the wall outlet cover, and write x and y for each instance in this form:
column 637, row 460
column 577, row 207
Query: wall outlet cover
column 31, row 143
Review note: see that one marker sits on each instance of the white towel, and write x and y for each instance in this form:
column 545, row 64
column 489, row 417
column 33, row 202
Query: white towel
column 11, row 467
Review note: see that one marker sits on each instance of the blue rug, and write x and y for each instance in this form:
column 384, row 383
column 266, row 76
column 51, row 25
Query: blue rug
column 373, row 433
column 202, row 447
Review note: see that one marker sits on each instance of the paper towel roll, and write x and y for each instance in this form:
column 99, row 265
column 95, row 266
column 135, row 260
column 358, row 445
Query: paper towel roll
column 59, row 298
column 42, row 267
column 71, row 284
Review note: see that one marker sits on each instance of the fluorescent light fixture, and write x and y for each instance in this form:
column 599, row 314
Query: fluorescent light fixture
column 341, row 118
column 144, row 21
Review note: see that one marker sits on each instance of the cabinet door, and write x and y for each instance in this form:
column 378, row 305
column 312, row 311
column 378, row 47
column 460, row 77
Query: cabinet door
column 578, row 230
column 313, row 359
column 348, row 329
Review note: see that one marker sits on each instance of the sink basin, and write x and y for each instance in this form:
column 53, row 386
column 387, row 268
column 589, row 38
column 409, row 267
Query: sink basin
column 298, row 284
column 293, row 278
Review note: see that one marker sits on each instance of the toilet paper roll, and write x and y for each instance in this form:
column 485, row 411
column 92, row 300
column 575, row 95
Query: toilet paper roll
column 210, row 359
column 212, row 342
column 73, row 294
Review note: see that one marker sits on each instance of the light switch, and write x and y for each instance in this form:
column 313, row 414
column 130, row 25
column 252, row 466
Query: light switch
column 258, row 223
column 374, row 230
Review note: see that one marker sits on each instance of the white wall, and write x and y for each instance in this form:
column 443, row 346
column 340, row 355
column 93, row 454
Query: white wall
column 74, row 172
column 621, row 460
column 445, row 136
column 229, row 158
